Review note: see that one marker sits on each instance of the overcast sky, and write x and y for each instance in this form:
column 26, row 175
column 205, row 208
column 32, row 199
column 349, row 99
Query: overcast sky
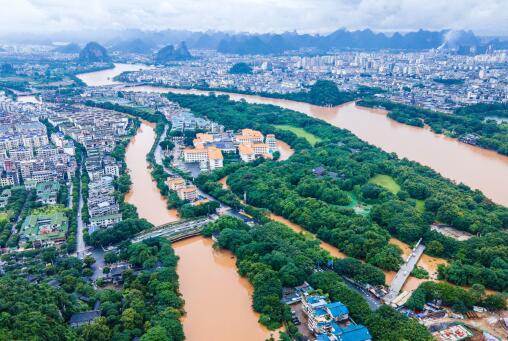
column 41, row 16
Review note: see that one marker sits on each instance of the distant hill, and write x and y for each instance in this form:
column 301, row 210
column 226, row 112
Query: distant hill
column 94, row 53
column 170, row 53
column 344, row 40
column 2, row 49
column 141, row 46
column 69, row 48
column 240, row 68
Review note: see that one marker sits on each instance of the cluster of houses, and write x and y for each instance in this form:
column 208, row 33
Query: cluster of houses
column 44, row 229
column 248, row 143
column 26, row 154
column 183, row 189
column 330, row 321
column 103, row 207
column 98, row 130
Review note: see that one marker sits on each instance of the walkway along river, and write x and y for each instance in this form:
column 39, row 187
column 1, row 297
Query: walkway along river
column 217, row 299
column 474, row 166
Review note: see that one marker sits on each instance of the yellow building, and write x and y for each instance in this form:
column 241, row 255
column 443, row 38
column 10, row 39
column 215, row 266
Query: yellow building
column 249, row 152
column 249, row 136
column 201, row 139
column 210, row 158
column 189, row 193
column 175, row 184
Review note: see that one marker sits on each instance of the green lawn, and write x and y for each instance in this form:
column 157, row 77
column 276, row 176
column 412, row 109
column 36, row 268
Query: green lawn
column 300, row 132
column 387, row 182
column 420, row 206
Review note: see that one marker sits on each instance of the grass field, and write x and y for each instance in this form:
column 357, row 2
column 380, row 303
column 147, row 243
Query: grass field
column 300, row 132
column 420, row 206
column 387, row 182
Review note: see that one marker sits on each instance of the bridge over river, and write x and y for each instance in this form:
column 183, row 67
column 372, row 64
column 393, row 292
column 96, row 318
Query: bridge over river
column 174, row 231
column 392, row 298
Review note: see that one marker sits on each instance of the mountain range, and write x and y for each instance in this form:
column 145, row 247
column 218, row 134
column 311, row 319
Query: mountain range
column 271, row 43
column 137, row 41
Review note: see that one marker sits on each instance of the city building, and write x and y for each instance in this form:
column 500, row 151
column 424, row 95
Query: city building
column 4, row 197
column 331, row 321
column 176, row 183
column 189, row 193
column 47, row 192
column 44, row 229
column 209, row 158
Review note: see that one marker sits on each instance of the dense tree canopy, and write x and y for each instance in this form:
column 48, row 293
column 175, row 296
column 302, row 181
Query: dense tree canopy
column 360, row 216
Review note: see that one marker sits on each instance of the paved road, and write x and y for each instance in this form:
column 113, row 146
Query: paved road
column 98, row 254
column 373, row 301
column 80, row 243
column 403, row 273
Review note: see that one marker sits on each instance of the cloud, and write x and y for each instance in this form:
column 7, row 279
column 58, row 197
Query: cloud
column 41, row 16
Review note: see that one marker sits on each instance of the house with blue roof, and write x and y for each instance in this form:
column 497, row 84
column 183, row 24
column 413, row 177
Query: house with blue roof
column 330, row 321
column 320, row 313
column 351, row 332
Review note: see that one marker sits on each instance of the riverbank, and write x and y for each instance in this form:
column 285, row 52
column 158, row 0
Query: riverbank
column 474, row 166
column 144, row 189
column 203, row 272
column 104, row 77
column 217, row 300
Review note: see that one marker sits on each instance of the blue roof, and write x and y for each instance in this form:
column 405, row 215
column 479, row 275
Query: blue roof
column 319, row 312
column 315, row 299
column 322, row 337
column 337, row 309
column 355, row 332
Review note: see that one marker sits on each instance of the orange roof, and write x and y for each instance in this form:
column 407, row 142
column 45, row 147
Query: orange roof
column 245, row 149
column 214, row 153
column 251, row 133
column 202, row 138
column 176, row 181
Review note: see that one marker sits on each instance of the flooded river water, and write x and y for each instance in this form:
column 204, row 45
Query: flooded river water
column 217, row 299
column 476, row 167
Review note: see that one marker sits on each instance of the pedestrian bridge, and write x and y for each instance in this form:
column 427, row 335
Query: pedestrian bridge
column 174, row 231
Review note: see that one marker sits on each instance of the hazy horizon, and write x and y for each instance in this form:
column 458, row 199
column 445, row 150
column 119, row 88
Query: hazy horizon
column 54, row 17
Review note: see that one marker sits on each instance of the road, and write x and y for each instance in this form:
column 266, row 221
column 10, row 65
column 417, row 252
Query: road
column 404, row 272
column 158, row 160
column 80, row 243
column 98, row 254
column 374, row 302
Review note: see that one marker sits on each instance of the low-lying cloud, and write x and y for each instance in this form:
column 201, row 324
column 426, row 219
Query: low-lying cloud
column 47, row 16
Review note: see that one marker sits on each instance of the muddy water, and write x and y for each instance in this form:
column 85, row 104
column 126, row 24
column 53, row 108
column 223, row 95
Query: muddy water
column 217, row 300
column 285, row 150
column 144, row 193
column 105, row 77
column 427, row 262
column 476, row 167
